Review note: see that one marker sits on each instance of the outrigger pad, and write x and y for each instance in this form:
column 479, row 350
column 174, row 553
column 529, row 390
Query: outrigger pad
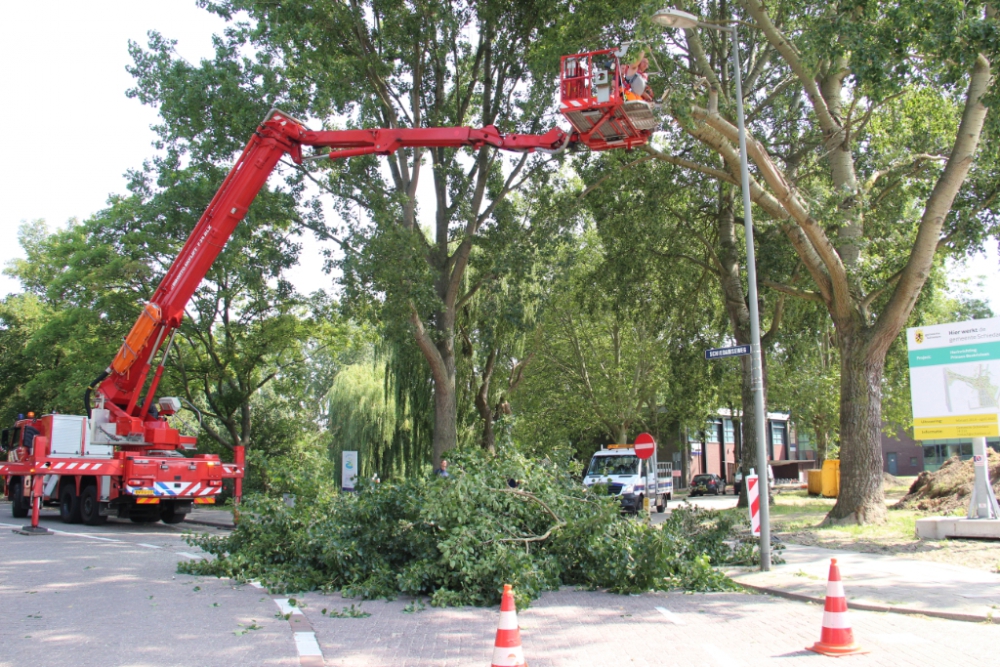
column 32, row 530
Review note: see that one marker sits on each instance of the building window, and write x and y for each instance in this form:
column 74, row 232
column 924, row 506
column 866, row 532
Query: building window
column 712, row 431
column 936, row 452
column 913, row 461
column 777, row 433
column 730, row 432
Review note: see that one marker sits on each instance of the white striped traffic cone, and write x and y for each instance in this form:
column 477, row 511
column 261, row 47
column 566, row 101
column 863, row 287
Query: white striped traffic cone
column 837, row 637
column 507, row 648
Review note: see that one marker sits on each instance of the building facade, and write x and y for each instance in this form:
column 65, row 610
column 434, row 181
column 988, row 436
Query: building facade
column 716, row 448
column 901, row 455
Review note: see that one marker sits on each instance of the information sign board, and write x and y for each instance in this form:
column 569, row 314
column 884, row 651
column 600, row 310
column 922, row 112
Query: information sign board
column 348, row 470
column 955, row 379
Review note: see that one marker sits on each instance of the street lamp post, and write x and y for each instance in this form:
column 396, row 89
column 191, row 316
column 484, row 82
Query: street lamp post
column 674, row 18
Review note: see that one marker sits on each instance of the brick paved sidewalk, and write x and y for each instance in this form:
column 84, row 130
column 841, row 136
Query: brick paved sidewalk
column 572, row 628
column 884, row 583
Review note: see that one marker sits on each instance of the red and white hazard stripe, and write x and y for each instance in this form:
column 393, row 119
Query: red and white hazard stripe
column 753, row 499
column 96, row 468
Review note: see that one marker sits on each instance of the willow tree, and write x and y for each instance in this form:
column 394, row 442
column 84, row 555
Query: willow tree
column 864, row 125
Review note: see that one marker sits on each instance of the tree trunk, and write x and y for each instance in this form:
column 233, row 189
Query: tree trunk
column 862, row 498
column 822, row 441
column 445, row 411
column 441, row 358
column 486, row 412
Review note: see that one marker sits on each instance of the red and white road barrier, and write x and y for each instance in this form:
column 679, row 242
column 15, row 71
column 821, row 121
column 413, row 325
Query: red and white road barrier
column 753, row 500
column 507, row 648
column 837, row 637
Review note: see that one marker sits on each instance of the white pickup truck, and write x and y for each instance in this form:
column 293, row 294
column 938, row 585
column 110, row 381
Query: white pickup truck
column 632, row 479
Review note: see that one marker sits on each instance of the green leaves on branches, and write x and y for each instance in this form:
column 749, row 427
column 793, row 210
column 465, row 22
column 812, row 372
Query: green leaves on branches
column 498, row 519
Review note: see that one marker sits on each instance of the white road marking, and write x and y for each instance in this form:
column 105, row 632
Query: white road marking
column 306, row 644
column 671, row 616
column 187, row 555
column 285, row 607
column 66, row 532
column 89, row 537
column 148, row 546
column 256, row 584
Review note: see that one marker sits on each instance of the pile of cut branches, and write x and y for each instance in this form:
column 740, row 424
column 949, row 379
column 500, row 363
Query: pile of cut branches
column 497, row 519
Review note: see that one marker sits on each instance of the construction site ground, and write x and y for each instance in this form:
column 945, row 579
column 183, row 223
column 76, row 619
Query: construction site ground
column 796, row 518
column 111, row 595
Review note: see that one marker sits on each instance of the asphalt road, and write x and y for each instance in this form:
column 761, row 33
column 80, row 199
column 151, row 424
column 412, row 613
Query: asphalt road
column 111, row 595
column 705, row 502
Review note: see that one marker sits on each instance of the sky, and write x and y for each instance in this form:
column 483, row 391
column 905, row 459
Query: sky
column 72, row 133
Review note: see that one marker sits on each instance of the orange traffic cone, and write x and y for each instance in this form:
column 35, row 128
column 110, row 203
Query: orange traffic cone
column 837, row 637
column 507, row 648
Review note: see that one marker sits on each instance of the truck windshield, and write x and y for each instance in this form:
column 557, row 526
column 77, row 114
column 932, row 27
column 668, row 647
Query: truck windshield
column 614, row 465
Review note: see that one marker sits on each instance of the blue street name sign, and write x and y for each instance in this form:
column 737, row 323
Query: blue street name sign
column 720, row 352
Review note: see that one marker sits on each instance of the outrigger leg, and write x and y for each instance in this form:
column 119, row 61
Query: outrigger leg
column 36, row 506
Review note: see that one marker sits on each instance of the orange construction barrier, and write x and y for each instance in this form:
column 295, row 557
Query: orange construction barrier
column 837, row 637
column 507, row 648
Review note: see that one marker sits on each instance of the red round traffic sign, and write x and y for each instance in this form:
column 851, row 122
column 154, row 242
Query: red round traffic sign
column 645, row 445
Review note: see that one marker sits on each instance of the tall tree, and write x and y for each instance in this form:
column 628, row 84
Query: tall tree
column 654, row 213
column 864, row 124
column 434, row 63
column 245, row 325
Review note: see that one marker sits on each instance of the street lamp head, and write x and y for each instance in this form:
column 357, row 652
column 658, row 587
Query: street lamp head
column 675, row 18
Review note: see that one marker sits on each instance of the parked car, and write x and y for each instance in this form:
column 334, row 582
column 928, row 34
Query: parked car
column 707, row 483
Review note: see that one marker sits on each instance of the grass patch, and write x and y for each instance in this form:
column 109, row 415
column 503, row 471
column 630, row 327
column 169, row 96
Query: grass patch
column 797, row 512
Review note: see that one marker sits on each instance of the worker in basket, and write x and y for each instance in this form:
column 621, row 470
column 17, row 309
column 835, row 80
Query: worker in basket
column 635, row 80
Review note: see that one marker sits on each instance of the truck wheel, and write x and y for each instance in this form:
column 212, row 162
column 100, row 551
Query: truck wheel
column 145, row 515
column 69, row 504
column 169, row 514
column 18, row 505
column 90, row 508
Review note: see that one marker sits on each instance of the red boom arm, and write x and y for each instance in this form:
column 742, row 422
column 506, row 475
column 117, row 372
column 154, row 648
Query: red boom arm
column 121, row 384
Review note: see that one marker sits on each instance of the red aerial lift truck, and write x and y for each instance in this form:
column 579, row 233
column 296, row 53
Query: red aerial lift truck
column 123, row 457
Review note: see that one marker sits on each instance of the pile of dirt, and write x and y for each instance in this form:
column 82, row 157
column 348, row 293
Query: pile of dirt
column 889, row 481
column 948, row 489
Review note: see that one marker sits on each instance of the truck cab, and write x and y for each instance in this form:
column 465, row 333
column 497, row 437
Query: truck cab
column 622, row 473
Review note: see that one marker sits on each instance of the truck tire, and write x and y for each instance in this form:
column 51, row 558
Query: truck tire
column 18, row 505
column 90, row 507
column 69, row 503
column 169, row 514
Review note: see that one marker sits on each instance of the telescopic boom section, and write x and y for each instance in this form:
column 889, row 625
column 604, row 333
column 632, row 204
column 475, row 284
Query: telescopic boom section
column 278, row 135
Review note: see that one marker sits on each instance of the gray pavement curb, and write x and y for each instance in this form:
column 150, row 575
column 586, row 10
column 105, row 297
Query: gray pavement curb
column 210, row 524
column 867, row 606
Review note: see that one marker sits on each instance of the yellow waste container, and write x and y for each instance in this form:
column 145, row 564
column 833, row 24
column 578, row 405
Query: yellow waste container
column 815, row 482
column 831, row 478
